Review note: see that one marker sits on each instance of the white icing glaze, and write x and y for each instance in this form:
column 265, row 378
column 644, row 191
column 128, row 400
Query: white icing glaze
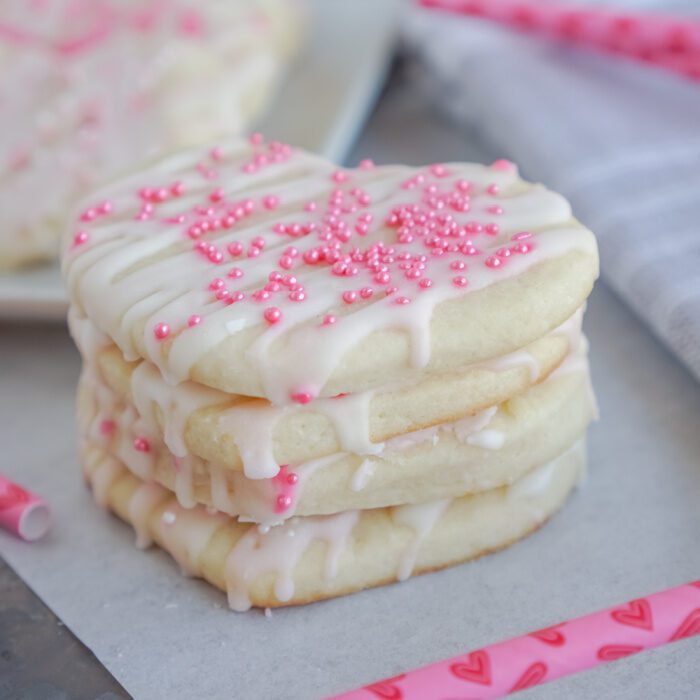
column 221, row 497
column 145, row 498
column 488, row 439
column 176, row 404
column 519, row 358
column 531, row 486
column 184, row 481
column 278, row 551
column 251, row 426
column 126, row 298
column 363, row 474
column 421, row 518
column 351, row 418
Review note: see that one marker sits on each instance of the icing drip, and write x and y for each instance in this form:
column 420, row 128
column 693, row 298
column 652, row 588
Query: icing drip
column 106, row 473
column 421, row 518
column 140, row 462
column 536, row 482
column 186, row 534
column 363, row 474
column 184, row 481
column 146, row 497
column 278, row 552
column 519, row 358
column 220, row 496
column 350, row 415
column 470, row 425
column 251, row 426
column 488, row 439
column 176, row 404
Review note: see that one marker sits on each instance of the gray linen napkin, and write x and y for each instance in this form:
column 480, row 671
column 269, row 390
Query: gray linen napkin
column 620, row 139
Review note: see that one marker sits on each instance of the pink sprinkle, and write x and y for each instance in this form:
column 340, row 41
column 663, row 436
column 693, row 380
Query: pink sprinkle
column 297, row 295
column 107, row 426
column 271, row 202
column 494, row 209
column 235, row 248
column 286, row 262
column 339, row 176
column 105, row 208
column 253, row 252
column 256, row 138
column 261, row 295
column 458, row 265
column 492, row 229
column 301, row 397
column 310, row 206
column 503, row 252
column 177, row 189
column 521, row 236
column 216, row 153
column 161, row 331
column 425, row 283
column 463, row 185
column 217, row 283
column 194, row 320
column 141, row 444
column 217, row 195
column 349, row 297
column 258, row 242
column 493, row 189
column 222, row 294
column 235, row 273
column 401, row 300
column 522, row 248
column 329, row 320
column 439, row 170
column 504, row 165
column 292, row 478
column 493, row 261
column 366, row 292
column 272, row 315
column 283, row 503
column 459, row 281
column 88, row 215
column 366, row 164
column 80, row 238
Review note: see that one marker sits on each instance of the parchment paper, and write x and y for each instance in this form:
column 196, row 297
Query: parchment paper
column 632, row 529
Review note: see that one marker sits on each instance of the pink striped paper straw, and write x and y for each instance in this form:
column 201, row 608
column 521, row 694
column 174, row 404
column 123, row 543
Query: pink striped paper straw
column 550, row 653
column 669, row 41
column 21, row 512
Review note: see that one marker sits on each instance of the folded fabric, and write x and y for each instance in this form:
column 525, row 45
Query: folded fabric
column 618, row 138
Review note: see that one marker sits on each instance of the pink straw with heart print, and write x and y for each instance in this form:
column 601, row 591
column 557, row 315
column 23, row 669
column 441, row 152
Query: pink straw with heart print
column 21, row 512
column 665, row 40
column 547, row 654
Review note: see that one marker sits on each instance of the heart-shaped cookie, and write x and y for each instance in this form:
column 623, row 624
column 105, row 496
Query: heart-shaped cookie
column 262, row 270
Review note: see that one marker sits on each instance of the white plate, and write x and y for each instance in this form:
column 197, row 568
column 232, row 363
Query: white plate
column 321, row 106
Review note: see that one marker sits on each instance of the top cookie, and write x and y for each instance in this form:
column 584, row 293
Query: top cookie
column 89, row 86
column 263, row 270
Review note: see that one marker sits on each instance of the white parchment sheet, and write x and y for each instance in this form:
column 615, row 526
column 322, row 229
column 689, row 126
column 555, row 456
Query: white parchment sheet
column 632, row 529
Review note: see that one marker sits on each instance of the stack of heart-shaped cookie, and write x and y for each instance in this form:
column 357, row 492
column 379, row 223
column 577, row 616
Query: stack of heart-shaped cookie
column 302, row 380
